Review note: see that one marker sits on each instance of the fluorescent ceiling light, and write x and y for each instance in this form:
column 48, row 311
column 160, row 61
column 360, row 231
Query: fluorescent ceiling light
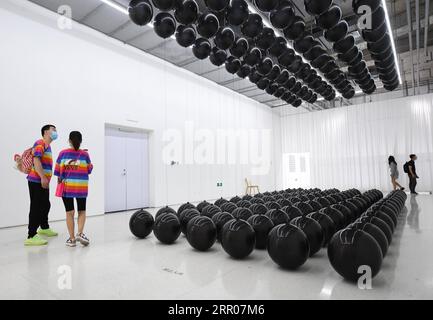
column 388, row 23
column 116, row 6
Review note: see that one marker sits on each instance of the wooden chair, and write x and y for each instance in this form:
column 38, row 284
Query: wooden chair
column 251, row 189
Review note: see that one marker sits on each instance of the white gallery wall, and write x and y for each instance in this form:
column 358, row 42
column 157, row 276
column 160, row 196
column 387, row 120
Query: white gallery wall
column 349, row 146
column 81, row 80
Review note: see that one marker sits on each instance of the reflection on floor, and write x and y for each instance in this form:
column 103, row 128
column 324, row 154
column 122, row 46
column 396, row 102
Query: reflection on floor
column 118, row 266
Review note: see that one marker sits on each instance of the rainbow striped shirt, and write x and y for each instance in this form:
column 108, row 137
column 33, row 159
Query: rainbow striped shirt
column 43, row 152
column 74, row 167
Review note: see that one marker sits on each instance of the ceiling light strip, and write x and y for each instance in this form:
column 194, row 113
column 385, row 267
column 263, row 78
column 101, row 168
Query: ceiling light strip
column 388, row 24
column 116, row 6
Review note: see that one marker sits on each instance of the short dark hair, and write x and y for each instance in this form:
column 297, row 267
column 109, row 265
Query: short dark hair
column 46, row 128
column 412, row 156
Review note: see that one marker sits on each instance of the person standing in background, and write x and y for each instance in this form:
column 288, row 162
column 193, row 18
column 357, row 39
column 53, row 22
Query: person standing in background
column 394, row 173
column 38, row 182
column 411, row 171
column 73, row 167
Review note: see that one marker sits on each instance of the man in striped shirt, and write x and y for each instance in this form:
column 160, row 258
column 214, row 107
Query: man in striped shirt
column 39, row 181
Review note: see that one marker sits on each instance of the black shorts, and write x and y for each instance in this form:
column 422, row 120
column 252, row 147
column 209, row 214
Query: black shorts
column 69, row 203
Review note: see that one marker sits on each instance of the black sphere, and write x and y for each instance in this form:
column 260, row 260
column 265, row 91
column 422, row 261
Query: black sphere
column 350, row 249
column 224, row 38
column 262, row 225
column 252, row 26
column 277, row 216
column 201, row 48
column 185, row 217
column 141, row 224
column 375, row 232
column 233, row 65
column 187, row 12
column 237, row 13
column 317, row 7
column 253, row 56
column 238, row 238
column 312, row 230
column 217, row 5
column 167, row 228
column 265, row 39
column 266, row 5
column 164, row 25
column 220, row 219
column 185, row 35
column 164, row 5
column 239, row 47
column 288, row 246
column 282, row 16
column 207, row 25
column 244, row 71
column 201, row 233
column 163, row 210
column 242, row 213
column 217, row 56
column 327, row 225
column 184, row 207
column 210, row 210
column 140, row 12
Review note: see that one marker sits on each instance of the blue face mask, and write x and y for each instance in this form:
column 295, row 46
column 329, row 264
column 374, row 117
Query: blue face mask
column 54, row 135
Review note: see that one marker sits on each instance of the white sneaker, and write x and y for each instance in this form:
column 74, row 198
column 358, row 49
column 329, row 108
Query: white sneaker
column 71, row 243
column 81, row 237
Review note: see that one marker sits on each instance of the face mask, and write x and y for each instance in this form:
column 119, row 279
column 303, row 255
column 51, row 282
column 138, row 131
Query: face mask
column 54, row 135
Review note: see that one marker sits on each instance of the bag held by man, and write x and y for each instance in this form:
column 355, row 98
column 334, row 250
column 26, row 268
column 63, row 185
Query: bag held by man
column 24, row 162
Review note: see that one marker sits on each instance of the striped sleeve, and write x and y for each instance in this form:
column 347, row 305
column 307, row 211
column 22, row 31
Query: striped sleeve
column 59, row 166
column 89, row 164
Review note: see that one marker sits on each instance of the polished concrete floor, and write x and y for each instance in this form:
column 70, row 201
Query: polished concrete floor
column 118, row 266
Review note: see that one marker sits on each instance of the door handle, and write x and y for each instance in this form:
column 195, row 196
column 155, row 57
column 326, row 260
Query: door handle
column 124, row 172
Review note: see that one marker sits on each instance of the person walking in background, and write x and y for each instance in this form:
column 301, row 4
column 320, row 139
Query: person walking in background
column 73, row 167
column 409, row 168
column 394, row 172
column 38, row 182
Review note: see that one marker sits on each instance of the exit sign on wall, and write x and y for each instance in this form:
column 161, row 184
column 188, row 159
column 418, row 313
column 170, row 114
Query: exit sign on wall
column 219, row 184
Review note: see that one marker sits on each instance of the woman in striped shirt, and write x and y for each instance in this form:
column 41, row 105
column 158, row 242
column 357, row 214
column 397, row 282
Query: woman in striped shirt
column 73, row 167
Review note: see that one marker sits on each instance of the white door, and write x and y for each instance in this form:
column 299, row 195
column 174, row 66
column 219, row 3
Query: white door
column 115, row 173
column 126, row 170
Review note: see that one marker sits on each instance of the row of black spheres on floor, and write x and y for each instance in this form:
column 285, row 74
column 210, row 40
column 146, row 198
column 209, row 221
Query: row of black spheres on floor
column 292, row 225
column 229, row 34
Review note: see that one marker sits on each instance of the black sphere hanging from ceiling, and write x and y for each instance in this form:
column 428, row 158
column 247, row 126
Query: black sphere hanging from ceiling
column 207, row 25
column 244, row 71
column 253, row 56
column 164, row 5
column 217, row 56
column 239, row 48
column 202, row 48
column 266, row 5
column 224, row 38
column 252, row 26
column 283, row 15
column 185, row 35
column 233, row 64
column 164, row 25
column 264, row 67
column 317, row 7
column 237, row 13
column 265, row 39
column 296, row 29
column 187, row 12
column 140, row 12
column 217, row 5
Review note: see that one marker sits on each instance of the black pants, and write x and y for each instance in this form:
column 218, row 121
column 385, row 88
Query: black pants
column 412, row 184
column 39, row 208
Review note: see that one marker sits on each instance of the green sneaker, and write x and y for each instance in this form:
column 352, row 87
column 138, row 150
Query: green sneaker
column 35, row 241
column 47, row 232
